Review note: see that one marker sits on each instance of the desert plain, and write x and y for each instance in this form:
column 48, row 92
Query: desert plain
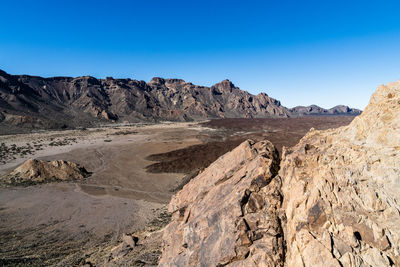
column 135, row 169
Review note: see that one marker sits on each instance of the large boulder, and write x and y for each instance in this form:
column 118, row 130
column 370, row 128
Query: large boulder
column 228, row 214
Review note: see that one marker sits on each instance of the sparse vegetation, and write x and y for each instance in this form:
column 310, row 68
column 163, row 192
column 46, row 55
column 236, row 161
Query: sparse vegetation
column 10, row 152
column 126, row 132
column 63, row 142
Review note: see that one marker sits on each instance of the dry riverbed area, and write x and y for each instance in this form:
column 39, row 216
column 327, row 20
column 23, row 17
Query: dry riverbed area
column 135, row 169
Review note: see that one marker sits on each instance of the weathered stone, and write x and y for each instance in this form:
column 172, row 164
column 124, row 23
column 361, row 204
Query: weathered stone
column 39, row 171
column 334, row 202
column 346, row 187
column 216, row 204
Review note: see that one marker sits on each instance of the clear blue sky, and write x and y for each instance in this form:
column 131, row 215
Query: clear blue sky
column 300, row 52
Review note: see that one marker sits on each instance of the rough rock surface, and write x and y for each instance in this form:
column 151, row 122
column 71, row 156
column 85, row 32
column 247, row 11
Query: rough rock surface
column 334, row 202
column 37, row 171
column 341, row 190
column 84, row 101
column 229, row 213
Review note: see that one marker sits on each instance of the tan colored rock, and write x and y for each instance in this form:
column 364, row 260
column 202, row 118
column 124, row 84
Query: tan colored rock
column 228, row 214
column 342, row 187
column 38, row 171
column 334, row 202
column 129, row 240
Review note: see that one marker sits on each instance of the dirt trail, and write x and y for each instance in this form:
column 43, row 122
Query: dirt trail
column 64, row 223
column 67, row 223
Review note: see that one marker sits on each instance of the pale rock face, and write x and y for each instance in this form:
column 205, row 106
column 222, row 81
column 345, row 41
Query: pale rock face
column 228, row 215
column 342, row 187
column 334, row 202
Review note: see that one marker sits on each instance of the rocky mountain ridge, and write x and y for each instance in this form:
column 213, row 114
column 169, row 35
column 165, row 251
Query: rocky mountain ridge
column 82, row 101
column 331, row 200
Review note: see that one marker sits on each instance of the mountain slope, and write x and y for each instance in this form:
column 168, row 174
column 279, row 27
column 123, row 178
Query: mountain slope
column 316, row 110
column 86, row 100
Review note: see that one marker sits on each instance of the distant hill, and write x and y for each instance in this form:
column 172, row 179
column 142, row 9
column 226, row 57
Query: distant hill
column 316, row 110
column 55, row 102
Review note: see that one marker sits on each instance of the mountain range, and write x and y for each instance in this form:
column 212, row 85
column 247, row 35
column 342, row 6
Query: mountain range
column 85, row 101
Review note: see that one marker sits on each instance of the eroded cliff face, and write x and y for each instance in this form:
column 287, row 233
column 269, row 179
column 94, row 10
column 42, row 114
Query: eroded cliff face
column 333, row 202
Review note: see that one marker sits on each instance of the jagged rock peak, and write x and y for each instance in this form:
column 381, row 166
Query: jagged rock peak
column 226, row 85
column 157, row 80
column 85, row 101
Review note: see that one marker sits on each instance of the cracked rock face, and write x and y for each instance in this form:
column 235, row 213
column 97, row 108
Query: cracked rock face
column 228, row 214
column 333, row 202
column 342, row 187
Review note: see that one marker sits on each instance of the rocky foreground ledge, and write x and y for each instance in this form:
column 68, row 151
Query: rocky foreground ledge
column 333, row 200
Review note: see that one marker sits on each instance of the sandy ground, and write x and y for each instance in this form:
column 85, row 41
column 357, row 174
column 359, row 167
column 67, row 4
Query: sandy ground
column 52, row 223
column 69, row 223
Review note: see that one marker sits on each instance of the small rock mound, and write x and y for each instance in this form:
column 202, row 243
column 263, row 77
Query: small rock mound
column 35, row 171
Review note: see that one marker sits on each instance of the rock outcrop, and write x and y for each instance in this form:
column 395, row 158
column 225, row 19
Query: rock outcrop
column 85, row 101
column 229, row 213
column 341, row 190
column 35, row 171
column 334, row 201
